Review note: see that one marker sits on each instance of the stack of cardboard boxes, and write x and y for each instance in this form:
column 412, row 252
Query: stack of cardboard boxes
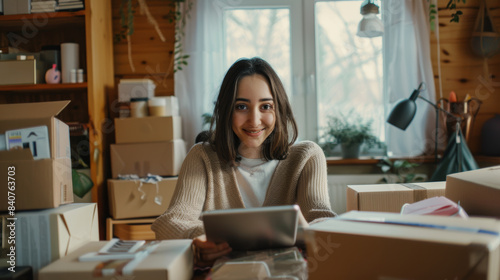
column 40, row 224
column 151, row 150
column 371, row 243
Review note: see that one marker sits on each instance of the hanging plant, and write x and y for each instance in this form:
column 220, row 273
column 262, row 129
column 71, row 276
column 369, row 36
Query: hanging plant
column 452, row 5
column 175, row 15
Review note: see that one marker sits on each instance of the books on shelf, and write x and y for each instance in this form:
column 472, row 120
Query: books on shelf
column 46, row 6
column 64, row 5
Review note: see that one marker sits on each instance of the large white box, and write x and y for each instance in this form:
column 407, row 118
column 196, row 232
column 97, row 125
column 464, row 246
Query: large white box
column 135, row 88
column 46, row 235
column 172, row 260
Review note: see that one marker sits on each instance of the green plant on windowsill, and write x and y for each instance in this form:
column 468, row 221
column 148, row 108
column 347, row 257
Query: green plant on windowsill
column 350, row 131
column 403, row 170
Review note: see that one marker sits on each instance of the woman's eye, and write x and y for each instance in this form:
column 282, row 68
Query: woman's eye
column 240, row 106
column 267, row 107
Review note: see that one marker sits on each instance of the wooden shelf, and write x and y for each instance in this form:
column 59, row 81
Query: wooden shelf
column 487, row 159
column 45, row 19
column 42, row 87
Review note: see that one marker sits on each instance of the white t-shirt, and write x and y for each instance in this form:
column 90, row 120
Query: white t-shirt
column 253, row 177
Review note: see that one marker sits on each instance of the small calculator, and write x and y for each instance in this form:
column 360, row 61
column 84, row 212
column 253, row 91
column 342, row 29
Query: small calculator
column 118, row 246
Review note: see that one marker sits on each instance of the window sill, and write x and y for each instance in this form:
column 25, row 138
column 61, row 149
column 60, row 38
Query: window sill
column 367, row 160
column 374, row 160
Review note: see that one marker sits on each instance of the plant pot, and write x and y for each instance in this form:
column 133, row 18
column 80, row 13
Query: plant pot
column 350, row 150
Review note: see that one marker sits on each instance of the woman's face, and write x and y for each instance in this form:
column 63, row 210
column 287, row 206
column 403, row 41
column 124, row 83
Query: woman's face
column 254, row 116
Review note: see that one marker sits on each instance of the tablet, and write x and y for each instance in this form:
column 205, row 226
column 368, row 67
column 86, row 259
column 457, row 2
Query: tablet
column 248, row 229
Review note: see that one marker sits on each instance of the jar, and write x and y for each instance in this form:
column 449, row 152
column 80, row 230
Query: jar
column 138, row 107
column 157, row 107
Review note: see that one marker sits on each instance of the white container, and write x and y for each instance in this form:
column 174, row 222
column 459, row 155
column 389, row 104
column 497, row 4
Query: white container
column 69, row 60
column 135, row 88
column 171, row 105
column 157, row 107
column 139, row 107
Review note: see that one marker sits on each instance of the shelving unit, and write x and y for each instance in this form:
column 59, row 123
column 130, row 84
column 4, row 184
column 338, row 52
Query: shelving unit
column 91, row 28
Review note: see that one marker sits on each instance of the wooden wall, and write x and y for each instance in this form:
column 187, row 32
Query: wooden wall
column 152, row 58
column 461, row 70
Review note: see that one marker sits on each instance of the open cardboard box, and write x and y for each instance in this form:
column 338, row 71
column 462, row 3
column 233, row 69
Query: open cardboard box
column 390, row 197
column 42, row 183
column 377, row 245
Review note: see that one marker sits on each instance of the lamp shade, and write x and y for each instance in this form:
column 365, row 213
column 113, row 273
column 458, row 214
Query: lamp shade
column 402, row 114
column 370, row 26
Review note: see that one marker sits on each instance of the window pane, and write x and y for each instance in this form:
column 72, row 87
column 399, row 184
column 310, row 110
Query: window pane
column 348, row 67
column 260, row 32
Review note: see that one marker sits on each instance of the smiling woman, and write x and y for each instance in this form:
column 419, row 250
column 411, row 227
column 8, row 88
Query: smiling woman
column 250, row 160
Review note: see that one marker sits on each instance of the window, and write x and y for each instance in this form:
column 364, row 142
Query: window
column 313, row 47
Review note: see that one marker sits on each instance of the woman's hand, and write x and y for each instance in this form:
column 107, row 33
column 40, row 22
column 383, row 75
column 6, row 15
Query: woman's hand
column 206, row 252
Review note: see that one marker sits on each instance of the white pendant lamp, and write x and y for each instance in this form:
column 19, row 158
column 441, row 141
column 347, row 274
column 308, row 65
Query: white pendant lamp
column 371, row 25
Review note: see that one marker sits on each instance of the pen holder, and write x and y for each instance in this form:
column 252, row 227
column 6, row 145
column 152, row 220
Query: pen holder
column 466, row 111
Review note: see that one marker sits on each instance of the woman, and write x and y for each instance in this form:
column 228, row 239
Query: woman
column 249, row 160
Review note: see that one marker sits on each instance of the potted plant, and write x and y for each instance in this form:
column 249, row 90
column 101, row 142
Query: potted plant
column 350, row 132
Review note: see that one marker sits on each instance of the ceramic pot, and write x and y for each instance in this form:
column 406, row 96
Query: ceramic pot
column 350, row 150
column 490, row 137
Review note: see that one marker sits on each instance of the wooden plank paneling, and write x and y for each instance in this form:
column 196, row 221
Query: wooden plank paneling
column 461, row 70
column 151, row 57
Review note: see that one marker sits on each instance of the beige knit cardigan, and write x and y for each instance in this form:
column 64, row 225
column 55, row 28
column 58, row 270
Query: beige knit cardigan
column 205, row 184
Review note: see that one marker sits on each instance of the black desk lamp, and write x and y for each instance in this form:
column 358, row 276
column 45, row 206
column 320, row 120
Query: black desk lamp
column 403, row 113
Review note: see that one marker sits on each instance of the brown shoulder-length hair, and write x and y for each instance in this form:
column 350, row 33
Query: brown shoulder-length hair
column 224, row 141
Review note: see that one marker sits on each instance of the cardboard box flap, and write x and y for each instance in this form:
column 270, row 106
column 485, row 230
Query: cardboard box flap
column 485, row 176
column 32, row 110
column 16, row 155
column 79, row 225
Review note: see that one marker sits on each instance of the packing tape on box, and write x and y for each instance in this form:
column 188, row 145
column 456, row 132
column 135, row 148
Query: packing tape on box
column 149, row 179
column 419, row 192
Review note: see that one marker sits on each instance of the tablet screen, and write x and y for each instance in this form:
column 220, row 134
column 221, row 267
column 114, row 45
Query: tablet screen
column 248, row 229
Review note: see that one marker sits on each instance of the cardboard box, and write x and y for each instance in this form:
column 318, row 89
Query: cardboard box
column 172, row 260
column 134, row 232
column 477, row 191
column 43, row 183
column 16, row 7
column 157, row 158
column 133, row 199
column 375, row 245
column 18, row 72
column 147, row 129
column 46, row 235
column 390, row 197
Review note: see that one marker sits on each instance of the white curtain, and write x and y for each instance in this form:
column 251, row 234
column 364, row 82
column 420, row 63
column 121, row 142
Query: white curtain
column 195, row 86
column 407, row 63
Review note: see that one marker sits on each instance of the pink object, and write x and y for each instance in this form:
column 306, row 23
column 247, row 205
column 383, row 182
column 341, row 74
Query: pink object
column 53, row 76
column 438, row 205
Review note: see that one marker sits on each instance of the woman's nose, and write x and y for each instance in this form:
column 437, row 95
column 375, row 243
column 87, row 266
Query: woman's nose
column 254, row 117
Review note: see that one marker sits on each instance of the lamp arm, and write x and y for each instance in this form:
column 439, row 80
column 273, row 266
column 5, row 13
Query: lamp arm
column 441, row 109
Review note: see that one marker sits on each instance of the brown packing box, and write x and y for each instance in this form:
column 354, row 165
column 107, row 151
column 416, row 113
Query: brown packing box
column 390, row 197
column 171, row 260
column 134, row 232
column 43, row 236
column 125, row 198
column 157, row 158
column 477, row 191
column 359, row 245
column 42, row 183
column 147, row 129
